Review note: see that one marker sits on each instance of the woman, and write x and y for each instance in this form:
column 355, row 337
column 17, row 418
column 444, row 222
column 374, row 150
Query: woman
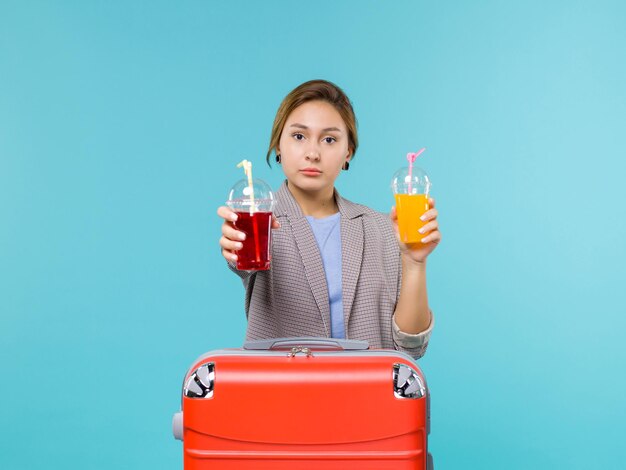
column 338, row 268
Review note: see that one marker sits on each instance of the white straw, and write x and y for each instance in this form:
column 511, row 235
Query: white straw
column 247, row 168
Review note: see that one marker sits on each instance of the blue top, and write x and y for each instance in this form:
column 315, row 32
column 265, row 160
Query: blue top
column 327, row 232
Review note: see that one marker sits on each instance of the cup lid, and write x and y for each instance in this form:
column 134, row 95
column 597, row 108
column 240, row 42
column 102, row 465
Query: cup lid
column 257, row 197
column 417, row 182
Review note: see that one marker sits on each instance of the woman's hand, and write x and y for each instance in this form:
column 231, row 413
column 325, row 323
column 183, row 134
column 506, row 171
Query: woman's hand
column 232, row 239
column 418, row 252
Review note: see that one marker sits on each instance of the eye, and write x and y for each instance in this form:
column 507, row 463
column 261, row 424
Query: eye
column 330, row 140
column 298, row 136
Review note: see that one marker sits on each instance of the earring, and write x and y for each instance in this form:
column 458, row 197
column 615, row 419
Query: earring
column 278, row 159
column 346, row 166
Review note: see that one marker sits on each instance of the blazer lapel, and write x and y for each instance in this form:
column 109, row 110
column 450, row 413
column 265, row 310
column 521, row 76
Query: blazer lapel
column 351, row 251
column 351, row 258
column 309, row 252
column 313, row 267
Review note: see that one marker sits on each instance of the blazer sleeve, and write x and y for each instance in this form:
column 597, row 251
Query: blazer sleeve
column 244, row 275
column 248, row 278
column 413, row 344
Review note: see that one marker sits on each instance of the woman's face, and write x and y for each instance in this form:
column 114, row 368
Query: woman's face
column 313, row 146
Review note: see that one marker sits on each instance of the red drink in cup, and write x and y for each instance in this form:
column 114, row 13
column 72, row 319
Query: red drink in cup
column 255, row 254
column 253, row 202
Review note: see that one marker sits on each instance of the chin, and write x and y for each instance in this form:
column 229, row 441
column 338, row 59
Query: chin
column 309, row 184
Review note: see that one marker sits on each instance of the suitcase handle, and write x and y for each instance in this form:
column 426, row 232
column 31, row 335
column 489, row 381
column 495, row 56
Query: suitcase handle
column 332, row 344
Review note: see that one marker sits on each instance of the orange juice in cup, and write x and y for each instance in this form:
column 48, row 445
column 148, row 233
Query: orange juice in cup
column 410, row 207
column 411, row 187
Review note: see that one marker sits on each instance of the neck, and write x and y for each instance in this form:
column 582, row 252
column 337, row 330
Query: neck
column 318, row 204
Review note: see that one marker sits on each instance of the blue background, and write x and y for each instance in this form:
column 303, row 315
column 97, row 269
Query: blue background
column 120, row 127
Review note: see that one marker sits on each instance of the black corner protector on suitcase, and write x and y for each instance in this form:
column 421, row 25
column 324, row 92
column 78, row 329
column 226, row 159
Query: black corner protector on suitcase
column 407, row 383
column 201, row 381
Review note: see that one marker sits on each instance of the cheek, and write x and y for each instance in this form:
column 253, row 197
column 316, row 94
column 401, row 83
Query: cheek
column 340, row 153
column 286, row 145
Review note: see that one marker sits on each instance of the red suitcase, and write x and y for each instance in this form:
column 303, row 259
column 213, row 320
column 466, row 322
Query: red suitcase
column 304, row 403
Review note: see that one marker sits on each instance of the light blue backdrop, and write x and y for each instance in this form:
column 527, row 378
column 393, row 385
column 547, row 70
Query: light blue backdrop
column 120, row 127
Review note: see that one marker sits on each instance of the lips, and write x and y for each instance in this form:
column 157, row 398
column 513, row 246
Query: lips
column 311, row 171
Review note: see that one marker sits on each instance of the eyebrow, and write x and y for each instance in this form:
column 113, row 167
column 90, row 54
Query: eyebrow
column 328, row 129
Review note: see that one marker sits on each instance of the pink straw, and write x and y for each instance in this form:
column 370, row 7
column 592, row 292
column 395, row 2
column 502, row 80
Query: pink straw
column 411, row 158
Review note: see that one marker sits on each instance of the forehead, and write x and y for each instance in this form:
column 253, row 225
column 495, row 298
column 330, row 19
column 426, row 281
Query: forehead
column 316, row 114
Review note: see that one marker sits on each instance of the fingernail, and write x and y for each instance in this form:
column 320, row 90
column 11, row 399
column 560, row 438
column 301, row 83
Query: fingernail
column 233, row 218
column 233, row 257
column 242, row 236
column 423, row 217
column 421, row 230
column 239, row 246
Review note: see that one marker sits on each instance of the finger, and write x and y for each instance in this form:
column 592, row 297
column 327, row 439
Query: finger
column 431, row 202
column 229, row 256
column 231, row 245
column 393, row 214
column 226, row 214
column 432, row 237
column 232, row 233
column 275, row 222
column 429, row 227
column 430, row 214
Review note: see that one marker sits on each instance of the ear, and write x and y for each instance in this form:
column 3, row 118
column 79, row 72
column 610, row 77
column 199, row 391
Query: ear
column 349, row 156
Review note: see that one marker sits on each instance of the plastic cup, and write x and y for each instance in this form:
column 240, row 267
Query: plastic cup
column 254, row 218
column 411, row 194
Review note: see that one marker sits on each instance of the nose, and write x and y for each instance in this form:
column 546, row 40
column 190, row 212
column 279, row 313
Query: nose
column 313, row 153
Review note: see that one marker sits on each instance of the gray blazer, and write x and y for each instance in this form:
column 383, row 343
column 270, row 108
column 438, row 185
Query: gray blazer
column 291, row 298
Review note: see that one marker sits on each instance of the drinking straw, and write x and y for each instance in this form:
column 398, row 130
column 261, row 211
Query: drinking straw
column 411, row 158
column 247, row 168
